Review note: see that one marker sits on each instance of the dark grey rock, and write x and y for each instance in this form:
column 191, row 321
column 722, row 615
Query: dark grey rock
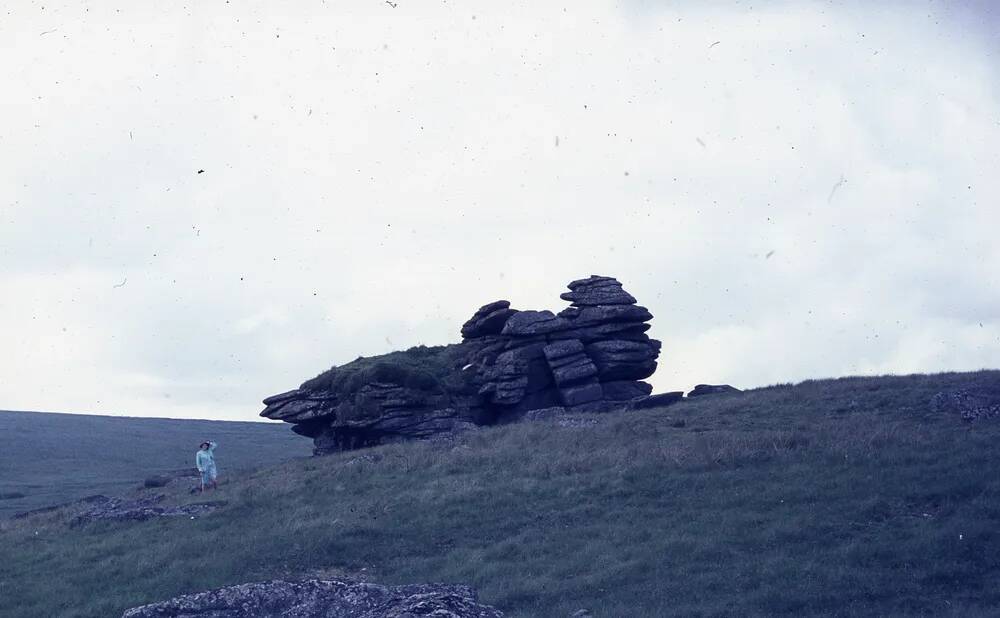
column 621, row 350
column 626, row 390
column 618, row 359
column 560, row 349
column 712, row 389
column 658, row 400
column 583, row 393
column 322, row 599
column 507, row 383
column 597, row 290
column 529, row 323
column 573, row 370
column 488, row 320
column 522, row 353
column 569, row 363
column 299, row 410
column 611, row 313
column 624, row 331
column 280, row 397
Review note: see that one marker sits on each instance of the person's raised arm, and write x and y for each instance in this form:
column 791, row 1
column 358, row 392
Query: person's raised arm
column 212, row 445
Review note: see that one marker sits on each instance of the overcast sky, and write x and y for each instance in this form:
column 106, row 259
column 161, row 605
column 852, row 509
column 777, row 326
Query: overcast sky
column 795, row 191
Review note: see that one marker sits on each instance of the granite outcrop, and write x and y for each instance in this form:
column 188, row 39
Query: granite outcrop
column 592, row 356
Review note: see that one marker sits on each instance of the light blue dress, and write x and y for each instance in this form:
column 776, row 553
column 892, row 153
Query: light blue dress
column 205, row 462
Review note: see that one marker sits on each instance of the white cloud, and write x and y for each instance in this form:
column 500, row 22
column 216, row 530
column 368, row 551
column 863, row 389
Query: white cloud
column 373, row 175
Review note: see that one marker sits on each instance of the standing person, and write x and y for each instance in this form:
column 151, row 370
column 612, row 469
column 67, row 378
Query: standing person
column 204, row 459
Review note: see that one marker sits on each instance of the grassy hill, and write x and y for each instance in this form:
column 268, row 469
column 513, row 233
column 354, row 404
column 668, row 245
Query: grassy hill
column 48, row 458
column 847, row 497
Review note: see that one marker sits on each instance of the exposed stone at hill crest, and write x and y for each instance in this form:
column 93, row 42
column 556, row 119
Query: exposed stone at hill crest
column 591, row 356
column 712, row 389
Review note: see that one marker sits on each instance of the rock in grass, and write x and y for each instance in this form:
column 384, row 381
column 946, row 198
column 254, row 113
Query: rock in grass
column 121, row 509
column 626, row 390
column 322, row 599
column 969, row 406
column 658, row 400
column 712, row 389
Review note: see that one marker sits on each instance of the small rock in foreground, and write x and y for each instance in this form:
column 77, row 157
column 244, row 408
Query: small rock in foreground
column 322, row 599
column 120, row 509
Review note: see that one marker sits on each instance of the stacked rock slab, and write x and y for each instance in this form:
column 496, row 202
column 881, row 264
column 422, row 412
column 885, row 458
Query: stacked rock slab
column 589, row 356
column 592, row 356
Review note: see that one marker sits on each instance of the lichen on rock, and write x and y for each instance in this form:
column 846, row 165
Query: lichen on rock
column 317, row 598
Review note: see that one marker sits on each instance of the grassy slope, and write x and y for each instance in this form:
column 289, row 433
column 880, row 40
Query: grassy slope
column 53, row 458
column 845, row 497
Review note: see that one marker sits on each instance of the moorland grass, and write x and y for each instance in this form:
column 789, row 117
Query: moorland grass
column 49, row 458
column 842, row 497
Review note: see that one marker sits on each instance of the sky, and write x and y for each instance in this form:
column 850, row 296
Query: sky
column 205, row 205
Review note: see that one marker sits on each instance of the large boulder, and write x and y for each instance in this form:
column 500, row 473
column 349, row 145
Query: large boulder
column 322, row 599
column 590, row 356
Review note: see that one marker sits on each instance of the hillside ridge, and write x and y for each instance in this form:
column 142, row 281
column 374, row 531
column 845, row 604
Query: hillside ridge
column 844, row 497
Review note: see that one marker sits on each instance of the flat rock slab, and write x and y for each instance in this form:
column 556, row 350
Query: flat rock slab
column 712, row 389
column 322, row 599
column 659, row 400
column 120, row 509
